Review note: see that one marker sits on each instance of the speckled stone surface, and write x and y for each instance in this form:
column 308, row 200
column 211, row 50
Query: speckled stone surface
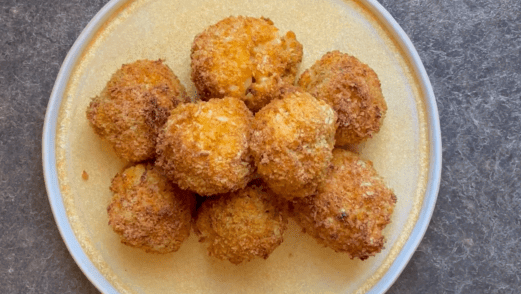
column 471, row 50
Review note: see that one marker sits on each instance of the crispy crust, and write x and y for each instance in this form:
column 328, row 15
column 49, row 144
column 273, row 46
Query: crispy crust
column 244, row 57
column 354, row 91
column 149, row 212
column 243, row 225
column 292, row 143
column 350, row 211
column 133, row 106
column 204, row 147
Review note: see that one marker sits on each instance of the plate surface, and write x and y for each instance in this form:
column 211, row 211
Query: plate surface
column 406, row 152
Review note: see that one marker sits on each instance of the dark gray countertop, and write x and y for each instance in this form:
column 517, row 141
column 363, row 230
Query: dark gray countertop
column 471, row 50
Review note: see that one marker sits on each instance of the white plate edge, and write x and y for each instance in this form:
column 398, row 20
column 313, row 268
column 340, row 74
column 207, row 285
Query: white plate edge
column 49, row 150
column 435, row 151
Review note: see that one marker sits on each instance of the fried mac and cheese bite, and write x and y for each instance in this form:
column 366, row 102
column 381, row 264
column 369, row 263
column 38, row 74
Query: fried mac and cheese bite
column 292, row 143
column 149, row 212
column 204, row 147
column 244, row 57
column 135, row 103
column 353, row 89
column 351, row 209
column 241, row 225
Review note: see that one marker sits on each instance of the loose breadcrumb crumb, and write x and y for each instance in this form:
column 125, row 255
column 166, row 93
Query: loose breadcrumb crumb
column 85, row 175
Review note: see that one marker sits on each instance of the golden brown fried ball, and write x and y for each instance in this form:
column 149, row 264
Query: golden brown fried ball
column 353, row 89
column 292, row 143
column 133, row 106
column 242, row 225
column 148, row 211
column 244, row 57
column 352, row 208
column 204, row 147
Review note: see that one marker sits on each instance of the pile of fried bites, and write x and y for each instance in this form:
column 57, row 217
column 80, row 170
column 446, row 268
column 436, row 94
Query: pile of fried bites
column 255, row 148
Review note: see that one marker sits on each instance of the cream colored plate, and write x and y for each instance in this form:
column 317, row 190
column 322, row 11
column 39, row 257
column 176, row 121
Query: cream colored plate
column 406, row 152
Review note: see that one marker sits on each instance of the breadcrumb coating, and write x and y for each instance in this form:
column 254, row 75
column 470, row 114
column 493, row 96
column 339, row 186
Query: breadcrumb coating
column 244, row 57
column 148, row 211
column 204, row 147
column 133, row 106
column 351, row 209
column 353, row 89
column 242, row 225
column 292, row 143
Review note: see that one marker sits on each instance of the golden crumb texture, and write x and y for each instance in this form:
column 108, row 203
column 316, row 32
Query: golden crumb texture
column 204, row 147
column 242, row 225
column 292, row 143
column 351, row 208
column 244, row 57
column 132, row 107
column 149, row 212
column 353, row 89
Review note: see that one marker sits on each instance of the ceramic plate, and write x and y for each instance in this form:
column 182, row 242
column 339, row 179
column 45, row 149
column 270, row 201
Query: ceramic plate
column 406, row 152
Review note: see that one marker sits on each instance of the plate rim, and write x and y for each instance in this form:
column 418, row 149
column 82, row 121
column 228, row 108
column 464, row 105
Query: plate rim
column 49, row 153
column 435, row 149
